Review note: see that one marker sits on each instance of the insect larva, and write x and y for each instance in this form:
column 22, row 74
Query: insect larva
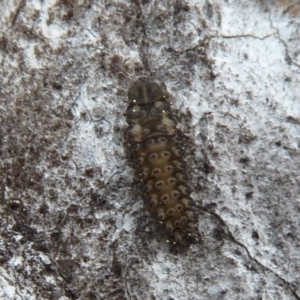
column 154, row 145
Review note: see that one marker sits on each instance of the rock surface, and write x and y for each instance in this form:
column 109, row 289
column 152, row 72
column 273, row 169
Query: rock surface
column 72, row 219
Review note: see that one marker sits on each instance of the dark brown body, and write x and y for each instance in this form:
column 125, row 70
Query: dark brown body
column 155, row 149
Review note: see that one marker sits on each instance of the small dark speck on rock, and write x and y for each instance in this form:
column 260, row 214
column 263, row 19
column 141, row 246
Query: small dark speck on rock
column 238, row 252
column 278, row 144
column 244, row 160
column 89, row 172
column 255, row 235
column 249, row 195
column 98, row 201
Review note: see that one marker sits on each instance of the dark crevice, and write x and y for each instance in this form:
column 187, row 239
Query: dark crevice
column 231, row 237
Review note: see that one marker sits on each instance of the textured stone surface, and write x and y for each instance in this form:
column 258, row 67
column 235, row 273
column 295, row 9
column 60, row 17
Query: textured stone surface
column 72, row 221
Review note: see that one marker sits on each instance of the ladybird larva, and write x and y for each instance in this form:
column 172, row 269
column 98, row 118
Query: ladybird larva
column 154, row 145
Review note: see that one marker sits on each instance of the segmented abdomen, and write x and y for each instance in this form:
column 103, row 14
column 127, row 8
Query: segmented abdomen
column 155, row 148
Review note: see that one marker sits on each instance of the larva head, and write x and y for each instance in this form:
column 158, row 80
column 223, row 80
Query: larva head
column 145, row 91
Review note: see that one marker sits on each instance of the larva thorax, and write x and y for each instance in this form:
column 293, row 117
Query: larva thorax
column 155, row 148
